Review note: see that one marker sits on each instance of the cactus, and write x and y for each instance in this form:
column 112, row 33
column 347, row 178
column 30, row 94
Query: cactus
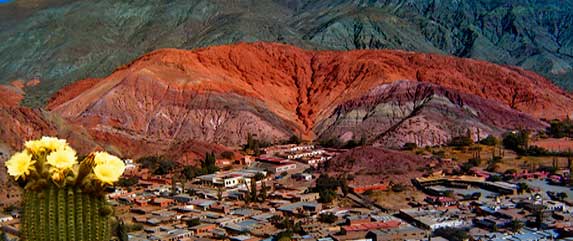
column 65, row 214
column 63, row 198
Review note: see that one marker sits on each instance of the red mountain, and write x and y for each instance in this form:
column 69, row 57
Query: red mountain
column 220, row 94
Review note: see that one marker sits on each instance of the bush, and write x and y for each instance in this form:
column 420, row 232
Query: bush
column 474, row 162
column 439, row 153
column 452, row 234
column 409, row 146
column 330, row 143
column 228, row 155
column 294, row 139
column 461, row 141
column 128, row 182
column 516, row 141
column 327, row 218
column 489, row 141
column 560, row 129
column 157, row 165
column 398, row 187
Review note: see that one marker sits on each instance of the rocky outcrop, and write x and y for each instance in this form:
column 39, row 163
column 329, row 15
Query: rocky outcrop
column 418, row 112
column 220, row 94
column 10, row 96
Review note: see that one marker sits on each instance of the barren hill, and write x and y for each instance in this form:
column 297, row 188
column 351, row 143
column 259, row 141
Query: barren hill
column 220, row 94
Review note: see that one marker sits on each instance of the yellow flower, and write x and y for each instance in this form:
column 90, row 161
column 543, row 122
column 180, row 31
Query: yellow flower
column 46, row 143
column 109, row 171
column 101, row 157
column 20, row 165
column 62, row 159
column 57, row 176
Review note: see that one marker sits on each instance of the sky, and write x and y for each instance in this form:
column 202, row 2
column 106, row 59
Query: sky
column 4, row 1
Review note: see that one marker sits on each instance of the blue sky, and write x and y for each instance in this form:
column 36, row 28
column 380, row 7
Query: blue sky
column 4, row 1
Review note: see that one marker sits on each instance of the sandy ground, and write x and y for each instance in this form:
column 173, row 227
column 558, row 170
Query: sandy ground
column 397, row 200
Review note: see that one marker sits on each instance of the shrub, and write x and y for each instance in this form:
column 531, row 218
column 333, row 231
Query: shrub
column 228, row 155
column 461, row 141
column 489, row 141
column 327, row 218
column 409, row 146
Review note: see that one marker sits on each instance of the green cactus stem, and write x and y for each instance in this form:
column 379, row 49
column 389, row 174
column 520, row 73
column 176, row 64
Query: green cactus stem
column 64, row 214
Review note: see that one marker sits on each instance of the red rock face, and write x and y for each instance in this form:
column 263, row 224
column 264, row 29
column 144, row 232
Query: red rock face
column 423, row 113
column 220, row 94
column 10, row 96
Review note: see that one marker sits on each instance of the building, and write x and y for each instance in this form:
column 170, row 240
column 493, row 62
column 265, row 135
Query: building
column 432, row 219
column 202, row 229
column 309, row 197
column 162, row 202
column 233, row 179
column 301, row 207
column 274, row 165
column 405, row 232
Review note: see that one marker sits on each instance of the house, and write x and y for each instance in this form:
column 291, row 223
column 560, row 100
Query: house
column 407, row 232
column 301, row 207
column 360, row 219
column 309, row 197
column 163, row 202
column 274, row 167
column 202, row 204
column 203, row 229
column 141, row 202
column 243, row 238
column 183, row 198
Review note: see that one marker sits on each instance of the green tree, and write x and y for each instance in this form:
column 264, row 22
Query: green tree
column 263, row 194
column 190, row 172
column 397, row 187
column 250, row 142
column 327, row 218
column 561, row 196
column 523, row 187
column 326, row 195
column 516, row 141
column 344, row 186
column 219, row 194
column 259, row 176
column 409, row 146
column 515, row 226
column 128, row 182
column 489, row 141
column 461, row 141
column 164, row 167
column 228, row 155
column 453, row 234
column 294, row 139
column 208, row 165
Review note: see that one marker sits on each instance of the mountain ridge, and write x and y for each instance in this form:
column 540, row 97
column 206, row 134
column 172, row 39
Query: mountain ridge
column 64, row 41
column 209, row 94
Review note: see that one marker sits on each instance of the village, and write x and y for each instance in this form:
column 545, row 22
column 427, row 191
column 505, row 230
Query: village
column 280, row 195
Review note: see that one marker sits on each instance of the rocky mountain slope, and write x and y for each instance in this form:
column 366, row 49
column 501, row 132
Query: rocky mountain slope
column 221, row 94
column 60, row 41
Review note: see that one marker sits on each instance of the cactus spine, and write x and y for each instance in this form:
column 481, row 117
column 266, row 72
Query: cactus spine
column 64, row 214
